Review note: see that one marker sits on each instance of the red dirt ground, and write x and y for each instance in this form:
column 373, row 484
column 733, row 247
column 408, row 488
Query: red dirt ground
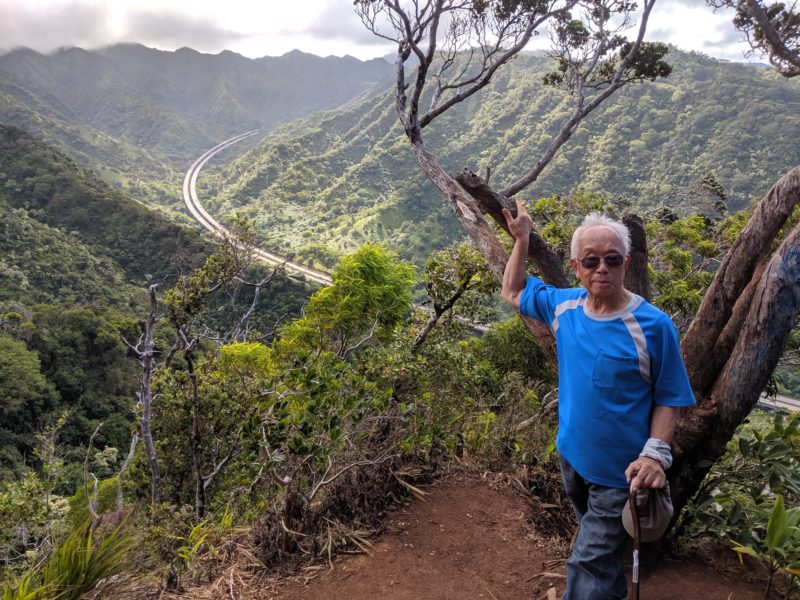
column 473, row 539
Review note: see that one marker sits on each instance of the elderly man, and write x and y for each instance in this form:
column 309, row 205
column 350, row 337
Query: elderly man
column 621, row 385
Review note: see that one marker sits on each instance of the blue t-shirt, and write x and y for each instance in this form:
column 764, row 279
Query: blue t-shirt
column 612, row 370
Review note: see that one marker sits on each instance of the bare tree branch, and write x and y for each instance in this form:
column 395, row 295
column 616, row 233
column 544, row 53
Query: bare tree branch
column 772, row 30
column 325, row 480
column 124, row 468
column 91, row 501
column 582, row 109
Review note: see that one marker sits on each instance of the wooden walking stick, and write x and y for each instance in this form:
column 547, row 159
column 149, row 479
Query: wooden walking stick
column 636, row 538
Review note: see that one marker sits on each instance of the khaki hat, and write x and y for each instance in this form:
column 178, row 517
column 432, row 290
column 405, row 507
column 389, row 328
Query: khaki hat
column 654, row 507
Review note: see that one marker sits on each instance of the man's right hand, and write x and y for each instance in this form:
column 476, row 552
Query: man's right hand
column 521, row 225
column 514, row 276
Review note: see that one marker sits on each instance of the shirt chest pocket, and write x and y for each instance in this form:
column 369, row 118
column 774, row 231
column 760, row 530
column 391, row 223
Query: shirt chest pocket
column 616, row 372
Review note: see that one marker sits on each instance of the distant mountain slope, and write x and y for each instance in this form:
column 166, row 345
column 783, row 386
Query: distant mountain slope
column 324, row 185
column 44, row 264
column 59, row 194
column 68, row 238
column 136, row 114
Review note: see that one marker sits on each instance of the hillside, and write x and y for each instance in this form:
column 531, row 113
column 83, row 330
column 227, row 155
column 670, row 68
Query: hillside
column 139, row 115
column 62, row 195
column 348, row 176
column 75, row 257
column 44, row 264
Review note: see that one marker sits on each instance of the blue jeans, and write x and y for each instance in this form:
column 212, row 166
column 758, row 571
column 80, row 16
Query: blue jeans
column 595, row 569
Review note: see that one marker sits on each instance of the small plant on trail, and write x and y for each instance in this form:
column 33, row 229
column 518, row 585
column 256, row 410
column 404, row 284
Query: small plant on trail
column 199, row 551
column 780, row 548
column 76, row 566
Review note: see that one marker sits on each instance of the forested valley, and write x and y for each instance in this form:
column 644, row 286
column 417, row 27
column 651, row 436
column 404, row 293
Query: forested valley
column 199, row 412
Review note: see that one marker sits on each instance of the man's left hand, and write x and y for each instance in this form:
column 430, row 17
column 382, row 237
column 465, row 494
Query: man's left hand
column 645, row 473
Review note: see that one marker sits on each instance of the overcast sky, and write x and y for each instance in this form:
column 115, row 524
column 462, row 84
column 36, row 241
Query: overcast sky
column 274, row 27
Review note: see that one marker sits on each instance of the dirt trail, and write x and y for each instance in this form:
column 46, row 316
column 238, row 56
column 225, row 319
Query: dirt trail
column 473, row 539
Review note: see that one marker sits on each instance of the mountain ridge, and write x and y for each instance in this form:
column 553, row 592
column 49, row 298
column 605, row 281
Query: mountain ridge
column 138, row 115
column 341, row 179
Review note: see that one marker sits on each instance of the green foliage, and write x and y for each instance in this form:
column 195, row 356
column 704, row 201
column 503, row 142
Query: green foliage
column 82, row 353
column 684, row 254
column 60, row 194
column 780, row 549
column 190, row 295
column 459, row 274
column 75, row 567
column 243, row 359
column 27, row 397
column 347, row 177
column 468, row 395
column 647, row 65
column 203, row 541
column 296, row 403
column 555, row 216
column 40, row 263
column 29, row 517
column 370, row 296
column 23, row 588
column 106, row 501
column 744, row 497
column 82, row 560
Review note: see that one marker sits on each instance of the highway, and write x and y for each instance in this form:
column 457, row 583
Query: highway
column 779, row 402
column 206, row 220
column 199, row 213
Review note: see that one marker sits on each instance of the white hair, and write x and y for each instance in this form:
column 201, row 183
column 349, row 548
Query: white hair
column 593, row 220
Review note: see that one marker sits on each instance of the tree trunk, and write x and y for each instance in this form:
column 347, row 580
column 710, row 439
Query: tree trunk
column 637, row 279
column 733, row 275
column 479, row 231
column 703, row 434
column 549, row 263
column 196, row 440
column 147, row 360
column 468, row 214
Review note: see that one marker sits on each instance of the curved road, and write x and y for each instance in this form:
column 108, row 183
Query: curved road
column 206, row 220
column 199, row 213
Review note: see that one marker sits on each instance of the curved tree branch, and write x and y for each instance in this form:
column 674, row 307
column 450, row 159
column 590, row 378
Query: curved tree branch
column 732, row 277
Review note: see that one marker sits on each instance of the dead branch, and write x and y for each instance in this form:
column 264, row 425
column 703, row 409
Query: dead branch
column 91, row 501
column 124, row 468
column 325, row 480
column 582, row 109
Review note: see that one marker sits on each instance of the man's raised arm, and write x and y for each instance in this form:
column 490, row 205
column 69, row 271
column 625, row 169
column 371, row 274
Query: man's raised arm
column 515, row 275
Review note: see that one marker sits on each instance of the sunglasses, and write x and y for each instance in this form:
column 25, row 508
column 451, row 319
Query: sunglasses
column 612, row 261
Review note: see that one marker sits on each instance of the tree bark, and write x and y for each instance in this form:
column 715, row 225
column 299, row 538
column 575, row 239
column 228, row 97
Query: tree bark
column 147, row 360
column 703, row 434
column 480, row 232
column 637, row 279
column 196, row 438
column 729, row 336
column 468, row 214
column 733, row 275
column 549, row 263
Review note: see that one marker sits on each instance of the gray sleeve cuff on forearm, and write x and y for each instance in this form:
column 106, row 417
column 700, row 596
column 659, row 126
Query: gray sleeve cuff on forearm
column 658, row 450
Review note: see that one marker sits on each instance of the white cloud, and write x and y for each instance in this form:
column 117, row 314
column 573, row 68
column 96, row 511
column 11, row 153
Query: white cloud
column 46, row 27
column 174, row 30
column 692, row 25
column 272, row 28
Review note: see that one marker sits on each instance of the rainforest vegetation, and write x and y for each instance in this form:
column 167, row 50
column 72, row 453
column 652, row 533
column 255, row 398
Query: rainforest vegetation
column 169, row 402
